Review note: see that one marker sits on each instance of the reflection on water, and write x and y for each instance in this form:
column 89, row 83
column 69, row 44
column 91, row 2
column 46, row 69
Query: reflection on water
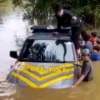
column 11, row 28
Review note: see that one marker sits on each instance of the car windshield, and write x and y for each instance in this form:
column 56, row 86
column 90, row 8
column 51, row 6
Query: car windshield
column 48, row 51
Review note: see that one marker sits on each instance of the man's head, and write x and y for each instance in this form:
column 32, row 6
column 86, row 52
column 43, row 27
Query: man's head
column 85, row 36
column 58, row 10
column 98, row 43
column 85, row 54
column 96, row 49
column 94, row 34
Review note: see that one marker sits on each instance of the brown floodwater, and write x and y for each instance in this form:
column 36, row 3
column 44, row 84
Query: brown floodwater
column 12, row 28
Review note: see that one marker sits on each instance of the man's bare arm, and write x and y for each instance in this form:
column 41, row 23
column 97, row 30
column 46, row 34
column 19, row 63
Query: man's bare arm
column 79, row 81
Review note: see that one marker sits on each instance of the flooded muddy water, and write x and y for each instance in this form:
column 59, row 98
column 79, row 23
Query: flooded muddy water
column 11, row 28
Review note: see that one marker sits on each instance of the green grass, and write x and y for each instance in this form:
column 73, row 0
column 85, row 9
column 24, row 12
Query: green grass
column 92, row 30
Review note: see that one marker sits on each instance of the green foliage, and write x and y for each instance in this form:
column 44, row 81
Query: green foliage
column 89, row 10
column 1, row 1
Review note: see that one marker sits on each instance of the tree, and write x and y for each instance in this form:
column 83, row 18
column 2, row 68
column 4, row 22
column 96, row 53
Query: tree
column 88, row 9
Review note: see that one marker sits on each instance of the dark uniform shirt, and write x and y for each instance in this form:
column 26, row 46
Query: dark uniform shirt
column 65, row 20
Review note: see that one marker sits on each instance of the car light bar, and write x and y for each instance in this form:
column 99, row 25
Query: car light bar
column 39, row 29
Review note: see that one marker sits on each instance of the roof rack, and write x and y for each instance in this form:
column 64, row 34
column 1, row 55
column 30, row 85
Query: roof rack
column 45, row 29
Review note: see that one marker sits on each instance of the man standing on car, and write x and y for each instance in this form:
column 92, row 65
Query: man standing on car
column 65, row 18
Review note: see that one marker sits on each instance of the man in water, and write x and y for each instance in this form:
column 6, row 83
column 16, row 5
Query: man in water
column 66, row 18
column 86, row 72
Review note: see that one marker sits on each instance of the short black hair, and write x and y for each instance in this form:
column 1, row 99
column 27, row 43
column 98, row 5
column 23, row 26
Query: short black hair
column 97, row 48
column 94, row 34
column 98, row 42
column 85, row 35
column 57, row 7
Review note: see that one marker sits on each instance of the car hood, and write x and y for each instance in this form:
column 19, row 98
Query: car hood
column 42, row 75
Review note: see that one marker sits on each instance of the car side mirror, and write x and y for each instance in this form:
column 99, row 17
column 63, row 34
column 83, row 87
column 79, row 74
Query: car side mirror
column 13, row 54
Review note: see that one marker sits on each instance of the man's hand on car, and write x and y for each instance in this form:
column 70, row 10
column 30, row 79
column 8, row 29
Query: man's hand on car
column 77, row 64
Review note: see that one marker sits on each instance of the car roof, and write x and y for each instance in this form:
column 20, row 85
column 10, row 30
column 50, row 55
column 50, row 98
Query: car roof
column 42, row 33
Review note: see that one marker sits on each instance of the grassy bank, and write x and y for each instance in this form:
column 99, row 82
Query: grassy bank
column 89, row 30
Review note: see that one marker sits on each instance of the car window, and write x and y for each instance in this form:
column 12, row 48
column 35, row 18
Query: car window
column 48, row 51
